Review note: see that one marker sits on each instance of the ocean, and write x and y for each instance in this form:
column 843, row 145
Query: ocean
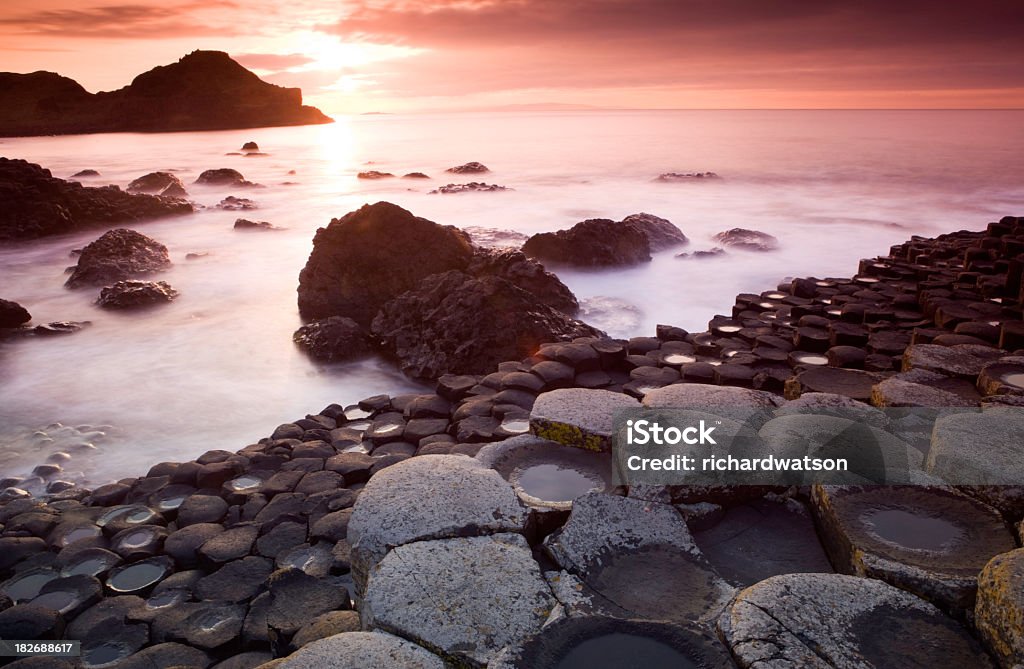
column 217, row 368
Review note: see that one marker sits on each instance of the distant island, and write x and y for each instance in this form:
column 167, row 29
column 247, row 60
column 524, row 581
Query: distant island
column 205, row 90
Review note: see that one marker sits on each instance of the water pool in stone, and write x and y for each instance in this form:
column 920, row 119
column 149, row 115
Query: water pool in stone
column 28, row 584
column 812, row 359
column 136, row 577
column 360, row 425
column 625, row 651
column 555, row 483
column 245, row 483
column 1014, row 379
column 516, row 426
column 88, row 567
column 913, row 531
column 171, row 503
column 80, row 533
column 136, row 539
column 729, row 328
column 678, row 359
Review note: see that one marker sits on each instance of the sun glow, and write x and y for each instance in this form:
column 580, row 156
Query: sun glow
column 328, row 52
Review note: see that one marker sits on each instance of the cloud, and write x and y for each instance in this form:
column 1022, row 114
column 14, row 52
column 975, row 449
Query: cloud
column 129, row 21
column 273, row 62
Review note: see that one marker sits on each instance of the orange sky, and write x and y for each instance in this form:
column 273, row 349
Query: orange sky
column 408, row 55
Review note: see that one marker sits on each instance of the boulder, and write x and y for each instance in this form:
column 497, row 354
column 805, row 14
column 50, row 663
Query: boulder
column 661, row 233
column 525, row 273
column 250, row 146
column 469, row 168
column 136, row 294
column 750, row 240
column 362, row 650
column 701, row 255
column 116, row 256
column 36, row 204
column 491, row 588
column 455, row 323
column 429, row 497
column 578, row 417
column 372, row 255
column 331, row 339
column 596, row 242
column 245, row 224
column 155, row 182
column 820, row 621
column 224, row 176
column 12, row 314
column 999, row 615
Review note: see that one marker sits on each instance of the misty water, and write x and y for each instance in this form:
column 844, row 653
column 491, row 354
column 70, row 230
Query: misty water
column 217, row 368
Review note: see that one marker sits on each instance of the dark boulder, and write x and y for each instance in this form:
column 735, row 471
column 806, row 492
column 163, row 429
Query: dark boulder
column 469, row 168
column 751, row 240
column 686, row 176
column 415, row 175
column 245, row 224
column 525, row 273
column 232, row 203
column 698, row 255
column 661, row 233
column 155, row 182
column 454, row 323
column 176, row 191
column 36, row 204
column 250, row 146
column 85, row 173
column 12, row 314
column 471, row 187
column 118, row 255
column 136, row 294
column 372, row 255
column 374, row 174
column 224, row 176
column 597, row 242
column 331, row 339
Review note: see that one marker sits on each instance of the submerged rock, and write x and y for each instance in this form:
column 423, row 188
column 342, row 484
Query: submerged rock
column 374, row 174
column 686, row 176
column 750, row 240
column 415, row 175
column 116, row 256
column 493, row 237
column 250, row 146
column 455, row 323
column 224, row 176
column 701, row 255
column 136, row 294
column 472, row 186
column 245, row 225
column 525, row 273
column 155, row 182
column 469, row 168
column 85, row 173
column 36, row 204
column 232, row 203
column 661, row 233
column 373, row 255
column 12, row 314
column 331, row 339
column 597, row 242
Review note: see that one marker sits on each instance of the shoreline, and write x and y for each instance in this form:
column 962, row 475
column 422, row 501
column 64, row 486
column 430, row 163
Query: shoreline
column 913, row 327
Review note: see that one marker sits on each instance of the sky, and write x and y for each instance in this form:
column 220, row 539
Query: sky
column 425, row 55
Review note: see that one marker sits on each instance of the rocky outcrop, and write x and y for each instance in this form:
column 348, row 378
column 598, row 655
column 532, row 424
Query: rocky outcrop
column 471, row 187
column 661, row 233
column 156, row 182
column 472, row 167
column 597, row 242
column 36, row 204
column 136, row 295
column 374, row 174
column 224, row 176
column 750, row 240
column 372, row 255
column 526, row 274
column 116, row 256
column 459, row 324
column 686, row 176
column 333, row 338
column 205, row 90
column 12, row 314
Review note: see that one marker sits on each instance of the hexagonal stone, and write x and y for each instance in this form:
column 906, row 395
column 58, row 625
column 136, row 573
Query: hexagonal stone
column 985, row 448
column 636, row 559
column 999, row 615
column 429, row 497
column 752, row 407
column 362, row 650
column 899, row 391
column 929, row 541
column 578, row 417
column 465, row 598
column 825, row 621
column 852, row 383
column 964, row 360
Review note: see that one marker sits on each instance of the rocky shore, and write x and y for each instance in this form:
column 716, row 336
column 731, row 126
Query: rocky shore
column 478, row 526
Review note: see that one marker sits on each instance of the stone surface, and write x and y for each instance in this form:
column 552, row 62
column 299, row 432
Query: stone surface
column 752, row 407
column 596, row 242
column 930, row 541
column 985, row 448
column 118, row 255
column 362, row 650
column 826, row 621
column 999, row 614
column 373, row 255
column 429, row 497
column 333, row 338
column 750, row 240
column 578, row 417
column 661, row 233
column 155, row 182
column 36, row 204
column 526, row 274
column 956, row 361
column 133, row 294
column 902, row 392
column 491, row 587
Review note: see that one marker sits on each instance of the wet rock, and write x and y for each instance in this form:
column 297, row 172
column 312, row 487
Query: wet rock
column 472, row 167
column 233, row 544
column 14, row 549
column 852, row 383
column 12, row 314
column 748, row 240
column 901, row 391
column 524, row 273
column 930, row 541
column 428, row 497
column 958, row 361
column 999, row 615
column 155, row 182
column 661, row 233
column 136, row 294
column 494, row 237
column 362, row 650
column 331, row 339
column 232, row 203
column 686, row 176
column 116, row 256
column 701, row 255
column 38, row 205
column 85, row 173
column 296, row 599
column 236, row 582
column 978, row 448
column 374, row 174
column 492, row 588
column 139, row 578
column 597, row 242
column 762, row 538
column 749, row 406
column 165, row 656
column 415, row 175
column 138, row 542
column 210, row 625
column 201, row 509
column 31, row 622
column 372, row 255
column 1002, row 375
column 471, row 187
column 457, row 324
column 826, row 620
column 245, row 225
column 327, row 625
column 224, row 176
column 69, row 595
column 578, row 417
